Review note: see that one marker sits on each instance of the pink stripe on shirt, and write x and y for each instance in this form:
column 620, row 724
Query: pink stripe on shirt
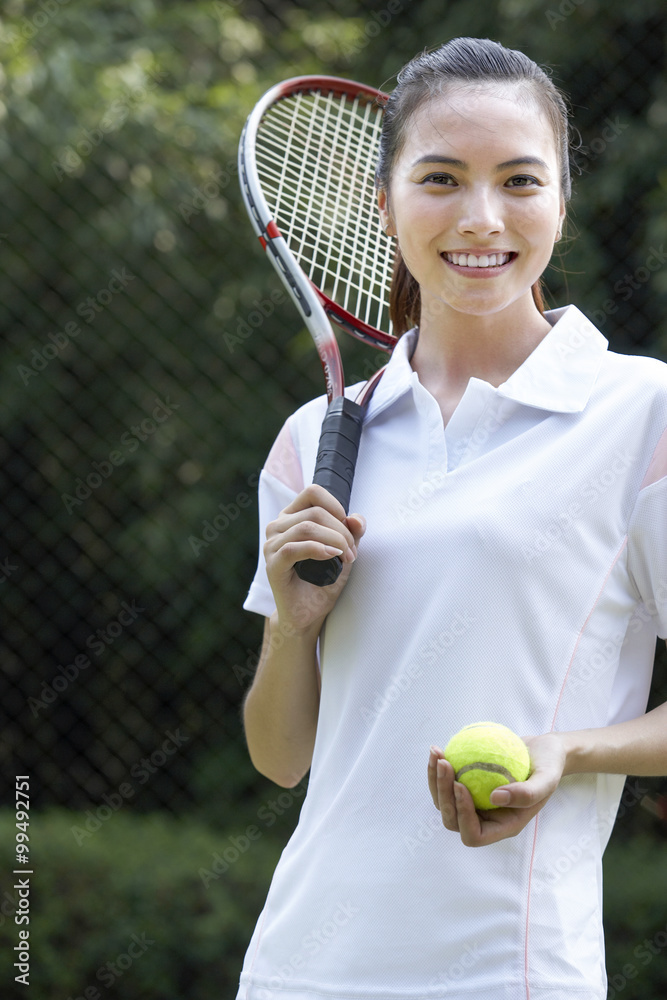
column 658, row 467
column 283, row 462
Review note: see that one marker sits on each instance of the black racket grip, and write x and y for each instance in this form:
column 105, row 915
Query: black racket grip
column 334, row 470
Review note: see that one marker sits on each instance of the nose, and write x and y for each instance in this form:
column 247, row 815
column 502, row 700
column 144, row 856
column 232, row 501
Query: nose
column 480, row 215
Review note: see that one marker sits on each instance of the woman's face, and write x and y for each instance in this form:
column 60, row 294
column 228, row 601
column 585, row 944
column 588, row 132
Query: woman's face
column 475, row 198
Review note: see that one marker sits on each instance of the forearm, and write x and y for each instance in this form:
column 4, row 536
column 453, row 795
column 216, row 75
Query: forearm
column 637, row 747
column 281, row 709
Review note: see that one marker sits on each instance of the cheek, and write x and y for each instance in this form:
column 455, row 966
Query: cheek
column 539, row 218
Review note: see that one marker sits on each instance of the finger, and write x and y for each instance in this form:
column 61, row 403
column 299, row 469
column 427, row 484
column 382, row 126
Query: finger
column 281, row 560
column 433, row 756
column 523, row 794
column 515, row 796
column 313, row 527
column 468, row 820
column 488, row 826
column 446, row 800
column 312, row 522
column 357, row 525
column 316, row 496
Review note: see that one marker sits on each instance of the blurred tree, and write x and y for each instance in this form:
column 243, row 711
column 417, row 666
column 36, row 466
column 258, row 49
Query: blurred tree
column 150, row 357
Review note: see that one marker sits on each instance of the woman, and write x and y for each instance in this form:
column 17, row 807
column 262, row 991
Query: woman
column 513, row 479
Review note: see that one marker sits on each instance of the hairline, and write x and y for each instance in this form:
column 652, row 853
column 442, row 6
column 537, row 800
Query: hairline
column 531, row 92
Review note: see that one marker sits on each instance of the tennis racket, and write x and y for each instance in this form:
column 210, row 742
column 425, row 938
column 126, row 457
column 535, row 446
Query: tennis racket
column 306, row 164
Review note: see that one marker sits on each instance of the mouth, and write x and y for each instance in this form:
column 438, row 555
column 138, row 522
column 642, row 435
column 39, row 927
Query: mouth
column 479, row 261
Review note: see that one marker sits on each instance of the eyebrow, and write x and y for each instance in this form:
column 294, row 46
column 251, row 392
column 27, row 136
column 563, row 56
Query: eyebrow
column 534, row 161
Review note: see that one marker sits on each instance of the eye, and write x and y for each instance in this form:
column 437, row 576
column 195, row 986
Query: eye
column 445, row 180
column 523, row 181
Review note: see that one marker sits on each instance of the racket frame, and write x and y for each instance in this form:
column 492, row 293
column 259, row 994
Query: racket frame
column 315, row 307
column 313, row 304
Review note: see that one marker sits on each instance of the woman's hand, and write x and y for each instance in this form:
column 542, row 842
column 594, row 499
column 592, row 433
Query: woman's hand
column 313, row 526
column 518, row 802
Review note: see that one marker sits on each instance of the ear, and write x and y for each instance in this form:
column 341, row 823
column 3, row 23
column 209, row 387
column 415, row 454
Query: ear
column 385, row 214
column 562, row 215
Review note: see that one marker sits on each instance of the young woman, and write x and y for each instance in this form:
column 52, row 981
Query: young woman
column 508, row 563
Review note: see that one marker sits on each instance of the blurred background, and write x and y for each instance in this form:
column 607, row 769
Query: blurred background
column 145, row 370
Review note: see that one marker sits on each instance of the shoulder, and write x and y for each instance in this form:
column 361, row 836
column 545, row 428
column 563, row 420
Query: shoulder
column 291, row 460
column 640, row 379
column 637, row 366
column 306, row 421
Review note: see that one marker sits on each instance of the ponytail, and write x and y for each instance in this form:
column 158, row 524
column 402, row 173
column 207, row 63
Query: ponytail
column 405, row 298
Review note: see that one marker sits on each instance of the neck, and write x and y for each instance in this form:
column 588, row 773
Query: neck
column 454, row 347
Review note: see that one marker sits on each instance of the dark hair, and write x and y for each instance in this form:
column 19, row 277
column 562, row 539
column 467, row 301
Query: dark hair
column 462, row 60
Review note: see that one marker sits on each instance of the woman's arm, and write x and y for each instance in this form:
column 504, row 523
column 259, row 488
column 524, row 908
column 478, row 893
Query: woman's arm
column 638, row 747
column 281, row 709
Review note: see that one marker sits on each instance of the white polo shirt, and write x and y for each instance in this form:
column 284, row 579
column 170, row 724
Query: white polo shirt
column 514, row 569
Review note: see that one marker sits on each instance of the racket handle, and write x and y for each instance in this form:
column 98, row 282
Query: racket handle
column 334, row 470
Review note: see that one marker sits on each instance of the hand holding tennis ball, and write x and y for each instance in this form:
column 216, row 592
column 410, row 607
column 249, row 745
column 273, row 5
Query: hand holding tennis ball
column 486, row 755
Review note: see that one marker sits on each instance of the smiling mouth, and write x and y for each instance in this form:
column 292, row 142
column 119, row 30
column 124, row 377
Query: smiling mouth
column 483, row 260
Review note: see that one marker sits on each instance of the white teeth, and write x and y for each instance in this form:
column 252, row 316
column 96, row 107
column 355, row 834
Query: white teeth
column 484, row 260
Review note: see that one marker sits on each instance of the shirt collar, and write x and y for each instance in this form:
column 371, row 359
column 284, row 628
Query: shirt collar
column 558, row 375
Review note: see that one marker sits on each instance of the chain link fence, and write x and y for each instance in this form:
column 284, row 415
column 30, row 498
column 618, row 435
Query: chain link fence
column 149, row 356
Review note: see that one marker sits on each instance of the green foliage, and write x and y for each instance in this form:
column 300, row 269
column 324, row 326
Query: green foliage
column 636, row 918
column 136, row 909
column 129, row 276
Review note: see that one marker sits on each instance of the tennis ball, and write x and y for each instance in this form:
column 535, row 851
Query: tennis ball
column 486, row 755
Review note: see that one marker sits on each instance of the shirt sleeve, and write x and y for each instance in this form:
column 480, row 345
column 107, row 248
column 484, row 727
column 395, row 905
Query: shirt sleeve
column 647, row 550
column 279, row 482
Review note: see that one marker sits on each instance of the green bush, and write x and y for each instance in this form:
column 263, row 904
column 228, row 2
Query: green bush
column 635, row 912
column 143, row 907
column 134, row 908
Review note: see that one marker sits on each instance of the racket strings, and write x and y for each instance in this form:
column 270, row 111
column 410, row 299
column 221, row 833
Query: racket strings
column 316, row 154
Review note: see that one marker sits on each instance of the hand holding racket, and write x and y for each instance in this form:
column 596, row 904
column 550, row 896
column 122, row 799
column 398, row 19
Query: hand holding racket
column 306, row 162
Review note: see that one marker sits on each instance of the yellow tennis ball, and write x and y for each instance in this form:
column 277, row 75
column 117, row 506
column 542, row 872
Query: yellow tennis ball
column 486, row 755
